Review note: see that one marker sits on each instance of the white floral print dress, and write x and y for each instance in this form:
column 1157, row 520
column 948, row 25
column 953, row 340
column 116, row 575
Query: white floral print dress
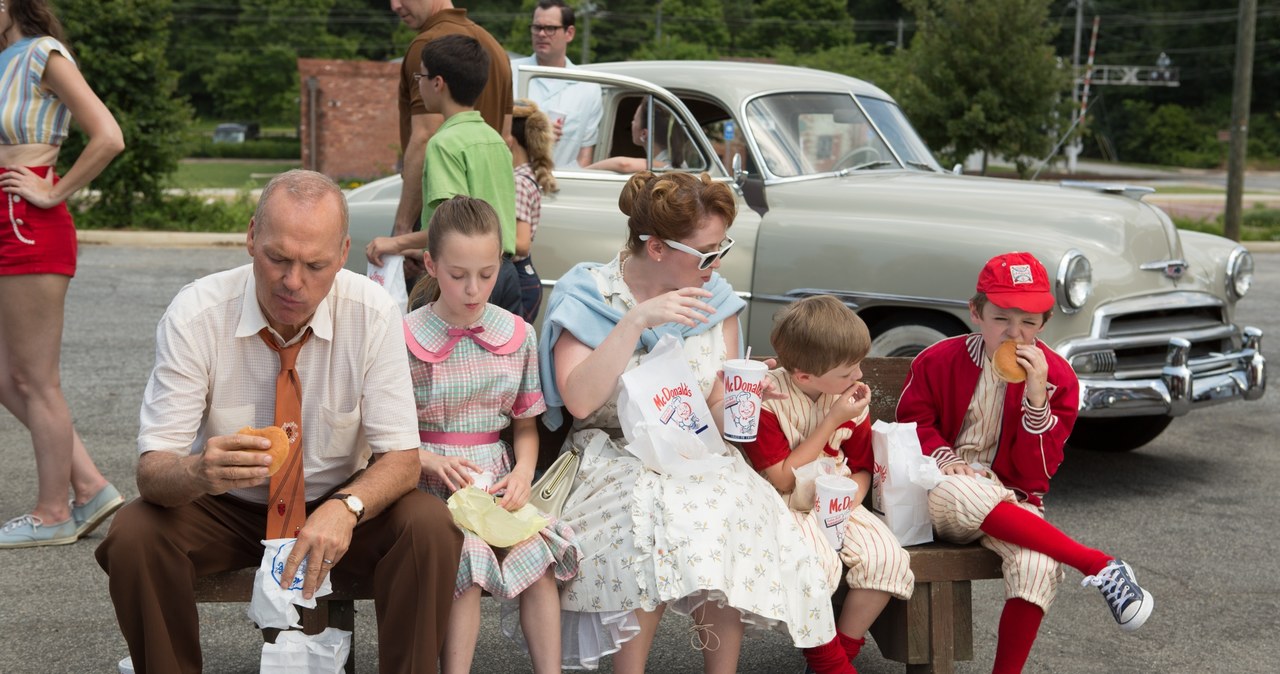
column 648, row 539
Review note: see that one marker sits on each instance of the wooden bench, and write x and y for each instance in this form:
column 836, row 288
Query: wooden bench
column 928, row 633
column 933, row 629
column 333, row 610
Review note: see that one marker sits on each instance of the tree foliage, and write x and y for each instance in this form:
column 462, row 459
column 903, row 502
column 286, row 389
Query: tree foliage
column 120, row 48
column 885, row 70
column 799, row 25
column 1168, row 134
column 984, row 77
column 255, row 75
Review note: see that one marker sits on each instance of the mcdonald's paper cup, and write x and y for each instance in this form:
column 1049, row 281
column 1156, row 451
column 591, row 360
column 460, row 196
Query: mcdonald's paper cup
column 743, row 382
column 834, row 498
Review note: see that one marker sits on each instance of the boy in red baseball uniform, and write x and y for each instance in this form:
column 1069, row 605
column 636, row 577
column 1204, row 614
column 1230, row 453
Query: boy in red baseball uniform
column 822, row 417
column 998, row 443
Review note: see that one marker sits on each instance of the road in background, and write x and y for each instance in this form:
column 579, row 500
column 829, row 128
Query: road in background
column 1188, row 512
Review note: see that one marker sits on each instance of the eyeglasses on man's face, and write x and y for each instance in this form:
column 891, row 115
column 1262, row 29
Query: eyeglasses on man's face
column 705, row 260
column 540, row 29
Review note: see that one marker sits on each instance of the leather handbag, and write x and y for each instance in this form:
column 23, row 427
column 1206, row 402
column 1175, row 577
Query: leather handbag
column 552, row 489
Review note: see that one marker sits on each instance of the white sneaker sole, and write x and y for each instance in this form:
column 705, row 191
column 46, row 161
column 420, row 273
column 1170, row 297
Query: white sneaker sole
column 65, row 540
column 1144, row 612
column 86, row 527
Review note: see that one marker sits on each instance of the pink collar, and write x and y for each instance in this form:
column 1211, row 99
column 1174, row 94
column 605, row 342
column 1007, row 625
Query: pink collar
column 432, row 340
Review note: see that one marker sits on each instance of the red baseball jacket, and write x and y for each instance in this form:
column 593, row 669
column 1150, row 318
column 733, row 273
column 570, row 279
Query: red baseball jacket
column 940, row 386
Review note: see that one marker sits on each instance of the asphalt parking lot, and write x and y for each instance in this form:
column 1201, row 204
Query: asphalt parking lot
column 1188, row 512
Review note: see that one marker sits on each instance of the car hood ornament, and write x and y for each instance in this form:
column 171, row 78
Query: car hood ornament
column 1174, row 269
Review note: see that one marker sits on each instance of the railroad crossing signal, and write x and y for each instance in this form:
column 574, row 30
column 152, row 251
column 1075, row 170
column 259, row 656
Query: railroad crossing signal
column 1133, row 76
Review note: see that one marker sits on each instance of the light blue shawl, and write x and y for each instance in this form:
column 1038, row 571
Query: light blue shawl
column 577, row 305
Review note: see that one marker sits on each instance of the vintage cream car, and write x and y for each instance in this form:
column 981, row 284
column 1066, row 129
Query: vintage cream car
column 838, row 194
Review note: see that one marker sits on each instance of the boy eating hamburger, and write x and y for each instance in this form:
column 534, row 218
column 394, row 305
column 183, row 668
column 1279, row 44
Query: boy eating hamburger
column 998, row 441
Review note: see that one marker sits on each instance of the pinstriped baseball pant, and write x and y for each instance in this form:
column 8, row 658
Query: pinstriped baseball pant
column 958, row 506
column 875, row 559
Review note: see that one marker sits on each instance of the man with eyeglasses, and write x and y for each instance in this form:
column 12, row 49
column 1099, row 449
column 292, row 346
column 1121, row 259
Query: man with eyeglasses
column 434, row 19
column 573, row 107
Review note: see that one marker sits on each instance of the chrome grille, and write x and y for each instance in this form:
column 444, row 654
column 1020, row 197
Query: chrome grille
column 1141, row 339
column 1165, row 321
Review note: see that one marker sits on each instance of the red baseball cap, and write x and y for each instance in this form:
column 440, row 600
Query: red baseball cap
column 1017, row 281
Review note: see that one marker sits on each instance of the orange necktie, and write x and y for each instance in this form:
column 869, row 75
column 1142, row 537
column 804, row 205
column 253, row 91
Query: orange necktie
column 287, row 505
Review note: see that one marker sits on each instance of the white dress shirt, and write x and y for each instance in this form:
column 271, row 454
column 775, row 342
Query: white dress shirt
column 214, row 375
column 579, row 102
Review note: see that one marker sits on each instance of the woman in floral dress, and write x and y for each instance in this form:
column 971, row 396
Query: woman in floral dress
column 475, row 371
column 719, row 546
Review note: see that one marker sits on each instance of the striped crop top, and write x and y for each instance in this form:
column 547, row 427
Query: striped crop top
column 29, row 114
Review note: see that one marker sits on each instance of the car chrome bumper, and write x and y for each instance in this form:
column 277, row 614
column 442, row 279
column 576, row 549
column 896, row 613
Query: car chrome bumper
column 1184, row 383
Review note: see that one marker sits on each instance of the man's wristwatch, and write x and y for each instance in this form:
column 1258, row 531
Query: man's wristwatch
column 353, row 503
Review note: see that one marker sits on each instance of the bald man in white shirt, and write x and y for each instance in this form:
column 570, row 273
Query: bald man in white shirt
column 203, row 506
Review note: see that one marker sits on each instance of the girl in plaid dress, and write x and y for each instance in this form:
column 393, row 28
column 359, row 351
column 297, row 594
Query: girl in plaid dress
column 475, row 370
column 531, row 142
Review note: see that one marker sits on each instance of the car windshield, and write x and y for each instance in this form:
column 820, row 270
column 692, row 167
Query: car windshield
column 801, row 134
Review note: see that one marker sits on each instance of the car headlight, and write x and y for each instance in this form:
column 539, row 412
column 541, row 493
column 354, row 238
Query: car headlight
column 1075, row 281
column 1239, row 272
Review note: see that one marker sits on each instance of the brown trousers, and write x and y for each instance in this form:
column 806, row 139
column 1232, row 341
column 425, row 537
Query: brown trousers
column 153, row 556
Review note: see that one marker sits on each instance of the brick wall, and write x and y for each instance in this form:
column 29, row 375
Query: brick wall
column 357, row 122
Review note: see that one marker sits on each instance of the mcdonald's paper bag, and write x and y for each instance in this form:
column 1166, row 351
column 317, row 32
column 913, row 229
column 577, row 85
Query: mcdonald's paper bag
column 662, row 390
column 898, row 496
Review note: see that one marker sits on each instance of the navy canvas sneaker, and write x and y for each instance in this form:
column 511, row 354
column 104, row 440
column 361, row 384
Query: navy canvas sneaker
column 1129, row 603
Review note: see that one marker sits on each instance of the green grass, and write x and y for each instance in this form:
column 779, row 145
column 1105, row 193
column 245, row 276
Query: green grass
column 1187, row 189
column 206, row 127
column 235, row 174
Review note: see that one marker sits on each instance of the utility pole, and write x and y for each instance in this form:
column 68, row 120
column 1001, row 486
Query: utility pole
column 587, row 10
column 1076, row 145
column 1240, row 118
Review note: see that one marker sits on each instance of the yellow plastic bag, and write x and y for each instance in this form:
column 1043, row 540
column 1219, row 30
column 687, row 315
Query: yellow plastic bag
column 478, row 511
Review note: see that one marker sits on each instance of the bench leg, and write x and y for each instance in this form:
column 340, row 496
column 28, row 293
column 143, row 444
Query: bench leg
column 342, row 615
column 941, row 631
column 315, row 620
column 931, row 631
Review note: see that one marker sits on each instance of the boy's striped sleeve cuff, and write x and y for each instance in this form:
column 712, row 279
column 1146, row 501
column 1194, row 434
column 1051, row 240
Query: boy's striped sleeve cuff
column 1036, row 420
column 945, row 456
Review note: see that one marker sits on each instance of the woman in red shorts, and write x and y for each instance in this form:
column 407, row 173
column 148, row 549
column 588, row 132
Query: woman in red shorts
column 41, row 89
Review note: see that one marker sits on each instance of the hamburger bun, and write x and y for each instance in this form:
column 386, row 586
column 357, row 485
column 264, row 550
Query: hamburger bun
column 1005, row 360
column 279, row 448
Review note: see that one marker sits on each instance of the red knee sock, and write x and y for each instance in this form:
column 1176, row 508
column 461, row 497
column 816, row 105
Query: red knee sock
column 829, row 658
column 852, row 647
column 1008, row 522
column 1019, row 623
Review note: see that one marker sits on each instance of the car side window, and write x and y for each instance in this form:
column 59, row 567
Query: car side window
column 640, row 125
column 725, row 133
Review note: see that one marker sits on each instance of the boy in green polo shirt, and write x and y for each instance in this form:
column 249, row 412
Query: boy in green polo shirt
column 464, row 156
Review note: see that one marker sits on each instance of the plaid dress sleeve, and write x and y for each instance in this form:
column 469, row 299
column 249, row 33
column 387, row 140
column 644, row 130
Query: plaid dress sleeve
column 529, row 402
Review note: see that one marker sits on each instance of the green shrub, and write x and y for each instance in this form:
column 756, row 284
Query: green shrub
column 1264, row 138
column 261, row 148
column 1197, row 224
column 176, row 212
column 1256, row 224
column 1260, row 224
